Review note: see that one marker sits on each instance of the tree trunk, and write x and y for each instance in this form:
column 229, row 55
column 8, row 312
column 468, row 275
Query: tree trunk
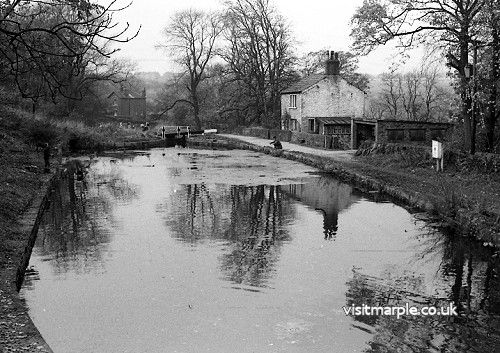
column 491, row 116
column 465, row 96
column 196, row 109
column 474, row 112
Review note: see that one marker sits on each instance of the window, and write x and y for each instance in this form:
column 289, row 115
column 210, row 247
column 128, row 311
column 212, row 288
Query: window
column 293, row 101
column 417, row 134
column 395, row 134
column 311, row 125
column 293, row 123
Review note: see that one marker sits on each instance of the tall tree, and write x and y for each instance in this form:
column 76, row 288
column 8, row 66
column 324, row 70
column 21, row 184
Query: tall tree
column 452, row 25
column 43, row 42
column 259, row 55
column 490, row 59
column 191, row 39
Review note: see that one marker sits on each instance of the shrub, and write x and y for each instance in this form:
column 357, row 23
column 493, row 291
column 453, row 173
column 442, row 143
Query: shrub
column 40, row 133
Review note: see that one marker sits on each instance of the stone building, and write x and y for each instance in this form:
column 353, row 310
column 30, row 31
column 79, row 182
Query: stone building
column 128, row 105
column 396, row 131
column 322, row 103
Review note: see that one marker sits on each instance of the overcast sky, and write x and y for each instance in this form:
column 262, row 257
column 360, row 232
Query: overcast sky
column 316, row 24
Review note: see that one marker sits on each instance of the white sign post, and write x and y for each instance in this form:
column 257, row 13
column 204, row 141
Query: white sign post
column 437, row 153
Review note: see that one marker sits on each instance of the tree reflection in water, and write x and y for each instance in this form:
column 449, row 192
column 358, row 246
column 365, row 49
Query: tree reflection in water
column 77, row 223
column 250, row 218
column 468, row 276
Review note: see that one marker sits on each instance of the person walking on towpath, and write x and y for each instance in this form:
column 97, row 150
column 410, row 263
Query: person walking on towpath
column 276, row 143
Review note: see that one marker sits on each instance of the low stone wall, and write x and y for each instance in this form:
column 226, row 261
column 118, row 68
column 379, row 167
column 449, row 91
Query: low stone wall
column 313, row 140
column 321, row 141
column 282, row 135
column 257, row 132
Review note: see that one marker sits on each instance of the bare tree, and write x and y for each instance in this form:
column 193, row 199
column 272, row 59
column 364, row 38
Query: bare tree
column 409, row 86
column 191, row 38
column 417, row 95
column 49, row 39
column 390, row 94
column 449, row 25
column 259, row 55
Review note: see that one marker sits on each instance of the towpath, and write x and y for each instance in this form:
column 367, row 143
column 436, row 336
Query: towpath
column 339, row 155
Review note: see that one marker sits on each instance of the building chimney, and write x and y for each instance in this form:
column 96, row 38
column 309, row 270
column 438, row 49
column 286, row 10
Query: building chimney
column 332, row 63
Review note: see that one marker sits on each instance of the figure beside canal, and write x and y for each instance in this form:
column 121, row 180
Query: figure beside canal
column 46, row 157
column 276, row 143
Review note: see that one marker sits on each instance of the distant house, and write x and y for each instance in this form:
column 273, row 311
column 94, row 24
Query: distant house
column 128, row 105
column 322, row 103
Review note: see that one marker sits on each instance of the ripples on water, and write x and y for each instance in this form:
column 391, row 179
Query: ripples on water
column 192, row 251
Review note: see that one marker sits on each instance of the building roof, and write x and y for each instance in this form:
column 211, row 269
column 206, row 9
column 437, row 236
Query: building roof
column 343, row 120
column 310, row 80
column 374, row 121
column 304, row 83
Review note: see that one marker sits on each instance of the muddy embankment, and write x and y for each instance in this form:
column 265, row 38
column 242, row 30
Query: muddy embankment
column 465, row 221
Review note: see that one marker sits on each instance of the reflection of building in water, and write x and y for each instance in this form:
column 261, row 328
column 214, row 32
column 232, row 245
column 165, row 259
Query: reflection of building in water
column 326, row 195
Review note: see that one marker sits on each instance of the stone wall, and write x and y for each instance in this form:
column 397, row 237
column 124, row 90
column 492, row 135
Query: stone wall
column 331, row 97
column 295, row 113
column 283, row 135
column 321, row 141
column 257, row 132
column 300, row 138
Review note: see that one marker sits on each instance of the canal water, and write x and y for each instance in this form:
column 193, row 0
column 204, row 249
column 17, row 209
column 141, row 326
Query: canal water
column 179, row 250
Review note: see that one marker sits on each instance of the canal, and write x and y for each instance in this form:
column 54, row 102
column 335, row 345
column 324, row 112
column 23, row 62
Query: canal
column 183, row 250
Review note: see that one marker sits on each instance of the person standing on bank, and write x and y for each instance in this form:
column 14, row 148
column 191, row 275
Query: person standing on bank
column 46, row 157
column 276, row 143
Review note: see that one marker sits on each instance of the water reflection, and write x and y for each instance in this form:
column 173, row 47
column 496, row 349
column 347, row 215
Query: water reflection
column 77, row 226
column 251, row 219
column 326, row 195
column 467, row 276
column 145, row 252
